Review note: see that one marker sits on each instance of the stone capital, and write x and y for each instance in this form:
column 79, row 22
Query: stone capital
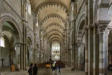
column 90, row 26
column 78, row 42
column 86, row 27
column 102, row 28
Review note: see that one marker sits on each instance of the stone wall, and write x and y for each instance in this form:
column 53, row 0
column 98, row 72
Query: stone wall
column 7, row 10
column 79, row 4
column 11, row 9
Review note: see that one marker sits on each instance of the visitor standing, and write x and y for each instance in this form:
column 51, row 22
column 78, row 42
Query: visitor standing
column 35, row 70
column 30, row 70
column 53, row 68
column 12, row 67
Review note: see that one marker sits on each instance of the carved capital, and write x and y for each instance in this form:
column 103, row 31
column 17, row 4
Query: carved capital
column 102, row 28
column 89, row 26
column 78, row 42
column 86, row 27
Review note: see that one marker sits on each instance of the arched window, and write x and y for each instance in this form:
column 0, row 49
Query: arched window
column 2, row 42
column 55, row 51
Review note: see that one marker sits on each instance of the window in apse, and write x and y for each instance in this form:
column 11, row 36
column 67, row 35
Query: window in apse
column 55, row 51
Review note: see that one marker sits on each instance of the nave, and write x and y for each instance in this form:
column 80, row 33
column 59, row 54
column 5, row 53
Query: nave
column 77, row 34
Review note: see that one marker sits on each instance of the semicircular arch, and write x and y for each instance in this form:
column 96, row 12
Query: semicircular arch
column 53, row 15
column 9, row 18
column 54, row 24
column 55, row 35
column 55, row 29
column 53, row 20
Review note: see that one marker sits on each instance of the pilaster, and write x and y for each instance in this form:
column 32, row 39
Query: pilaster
column 102, row 50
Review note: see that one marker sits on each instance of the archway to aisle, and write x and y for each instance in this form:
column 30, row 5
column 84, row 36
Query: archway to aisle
column 81, row 45
column 9, row 45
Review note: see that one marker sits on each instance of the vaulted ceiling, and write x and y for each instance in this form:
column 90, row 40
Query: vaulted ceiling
column 52, row 16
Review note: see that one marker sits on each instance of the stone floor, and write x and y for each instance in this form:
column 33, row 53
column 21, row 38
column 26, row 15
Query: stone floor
column 109, row 73
column 65, row 71
column 45, row 72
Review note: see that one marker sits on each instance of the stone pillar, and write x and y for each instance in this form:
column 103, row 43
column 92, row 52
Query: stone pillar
column 79, row 57
column 96, row 51
column 103, row 52
column 90, row 35
column 21, row 57
column 76, row 56
column 86, row 52
column 90, row 51
column 23, row 47
column 25, row 57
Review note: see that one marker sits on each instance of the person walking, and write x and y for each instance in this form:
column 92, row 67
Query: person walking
column 35, row 70
column 30, row 70
column 58, row 69
column 54, row 68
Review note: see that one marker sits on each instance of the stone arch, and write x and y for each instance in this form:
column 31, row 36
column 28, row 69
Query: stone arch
column 10, row 30
column 55, row 34
column 53, row 20
column 80, row 26
column 46, row 3
column 54, row 24
column 46, row 9
column 80, row 39
column 53, row 15
column 55, row 39
column 81, row 20
column 54, row 30
column 9, row 18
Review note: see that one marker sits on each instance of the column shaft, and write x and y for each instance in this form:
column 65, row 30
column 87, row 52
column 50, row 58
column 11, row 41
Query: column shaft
column 96, row 52
column 103, row 51
column 90, row 51
column 86, row 53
